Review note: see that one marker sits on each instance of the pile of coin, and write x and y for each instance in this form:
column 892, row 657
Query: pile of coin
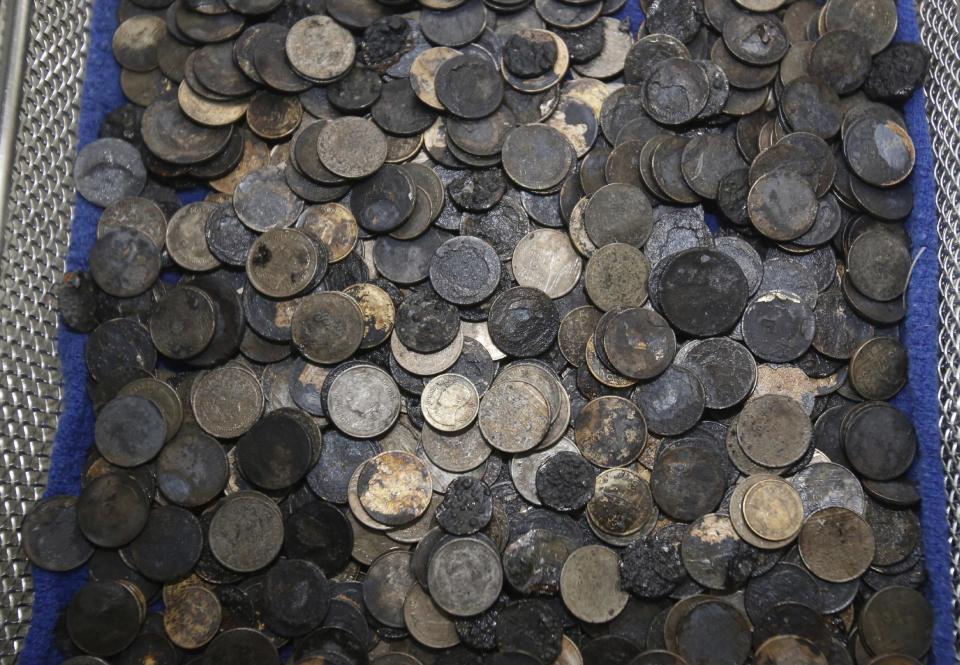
column 503, row 334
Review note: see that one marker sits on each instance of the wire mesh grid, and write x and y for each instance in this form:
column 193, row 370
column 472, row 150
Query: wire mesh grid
column 34, row 246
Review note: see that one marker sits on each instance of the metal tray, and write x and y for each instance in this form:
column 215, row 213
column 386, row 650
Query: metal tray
column 43, row 44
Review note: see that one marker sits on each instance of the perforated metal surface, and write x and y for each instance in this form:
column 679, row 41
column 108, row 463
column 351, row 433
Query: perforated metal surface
column 34, row 241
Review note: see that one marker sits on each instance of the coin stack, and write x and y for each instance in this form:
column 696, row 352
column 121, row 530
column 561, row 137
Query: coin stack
column 505, row 332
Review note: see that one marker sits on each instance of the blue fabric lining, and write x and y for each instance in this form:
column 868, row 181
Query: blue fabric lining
column 102, row 93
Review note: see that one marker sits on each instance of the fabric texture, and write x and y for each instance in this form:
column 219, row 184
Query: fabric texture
column 102, row 93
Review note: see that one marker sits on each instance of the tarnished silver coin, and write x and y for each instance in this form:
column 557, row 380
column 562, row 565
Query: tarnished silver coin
column 363, row 402
column 450, row 402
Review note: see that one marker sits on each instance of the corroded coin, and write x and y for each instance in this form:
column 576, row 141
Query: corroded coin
column 836, row 544
column 774, row 430
column 379, row 313
column 450, row 402
column 427, row 623
column 319, row 48
column 327, row 327
column 193, row 617
column 52, row 538
column 394, row 487
column 621, row 504
column 497, row 420
column 236, row 517
column 227, row 401
column 352, row 147
column 610, row 431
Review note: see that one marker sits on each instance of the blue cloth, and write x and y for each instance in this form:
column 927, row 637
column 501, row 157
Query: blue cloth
column 102, row 93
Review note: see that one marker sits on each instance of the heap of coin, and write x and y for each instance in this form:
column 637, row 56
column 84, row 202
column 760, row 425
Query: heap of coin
column 506, row 335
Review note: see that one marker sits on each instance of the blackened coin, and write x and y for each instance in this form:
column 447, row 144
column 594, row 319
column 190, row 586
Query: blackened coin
column 112, row 510
column 688, row 480
column 327, row 327
column 52, row 538
column 108, row 170
column 169, row 545
column 675, row 91
column 879, row 150
column 339, row 458
column 537, row 157
column 839, row 330
column 878, row 368
column 385, row 201
column 477, row 191
column 879, row 264
column 455, row 26
column 619, row 213
column 227, row 237
column 130, row 431
column 170, row 135
column 103, row 618
column 703, row 292
column 778, row 326
column 465, row 270
column 426, row 323
column 673, row 402
column 246, row 646
column 466, row 507
column 192, row 468
column 297, row 597
column 530, row 626
column 897, row 620
column 529, row 54
column 399, row 111
column 503, row 227
column 264, row 201
column 319, row 532
column 469, row 86
column 879, row 440
column 726, row 369
column 523, row 322
column 728, row 628
column 238, row 516
column 896, row 72
column 782, row 205
column 638, row 343
column 183, row 322
column 275, row 453
column 124, row 262
column 77, row 301
column 808, row 104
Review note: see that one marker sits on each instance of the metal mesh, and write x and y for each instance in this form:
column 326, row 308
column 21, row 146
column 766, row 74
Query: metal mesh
column 34, row 247
column 34, row 242
column 940, row 31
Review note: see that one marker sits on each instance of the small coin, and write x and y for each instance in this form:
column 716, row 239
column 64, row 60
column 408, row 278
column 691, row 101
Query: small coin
column 897, row 620
column 332, row 224
column 52, row 538
column 590, row 584
column 621, row 504
column 130, row 430
column 537, row 157
column 386, row 586
column 352, row 147
column 169, row 545
column 465, row 270
column 616, row 276
column 450, row 402
column 773, row 510
column 638, row 343
column 427, row 623
column 99, row 604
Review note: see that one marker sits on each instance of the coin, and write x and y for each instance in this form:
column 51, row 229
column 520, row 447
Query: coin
column 537, row 157
column 465, row 576
column 465, row 270
column 590, row 584
column 496, row 416
column 104, row 603
column 467, row 507
column 610, row 431
column 394, row 487
column 621, row 502
column 545, row 259
column 909, row 633
column 240, row 514
column 327, row 327
column 426, row 622
column 616, row 275
column 450, row 402
column 363, row 402
column 108, row 170
column 836, row 544
column 773, row 510
column 216, row 395
column 774, row 430
column 352, row 147
column 889, row 435
column 672, row 402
